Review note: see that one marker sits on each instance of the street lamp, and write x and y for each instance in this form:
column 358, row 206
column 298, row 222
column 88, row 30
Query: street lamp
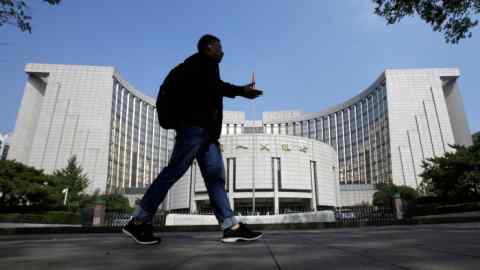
column 65, row 191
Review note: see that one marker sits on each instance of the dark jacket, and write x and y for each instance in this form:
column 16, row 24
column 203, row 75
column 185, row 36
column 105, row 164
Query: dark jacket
column 202, row 94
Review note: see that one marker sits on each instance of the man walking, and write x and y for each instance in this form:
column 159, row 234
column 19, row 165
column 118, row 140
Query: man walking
column 197, row 133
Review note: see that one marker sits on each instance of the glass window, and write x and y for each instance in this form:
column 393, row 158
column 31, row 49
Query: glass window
column 305, row 129
column 318, row 129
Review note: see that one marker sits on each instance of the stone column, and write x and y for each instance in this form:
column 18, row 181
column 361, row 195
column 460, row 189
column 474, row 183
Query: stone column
column 99, row 214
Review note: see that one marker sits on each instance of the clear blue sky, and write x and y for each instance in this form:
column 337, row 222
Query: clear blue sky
column 307, row 54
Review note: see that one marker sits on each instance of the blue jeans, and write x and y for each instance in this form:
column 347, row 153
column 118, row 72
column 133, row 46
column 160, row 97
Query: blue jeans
column 190, row 143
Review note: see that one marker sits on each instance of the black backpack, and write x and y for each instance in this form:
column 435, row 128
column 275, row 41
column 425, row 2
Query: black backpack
column 168, row 99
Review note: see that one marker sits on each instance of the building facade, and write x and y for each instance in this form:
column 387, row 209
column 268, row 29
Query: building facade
column 93, row 113
column 380, row 135
column 266, row 174
column 384, row 133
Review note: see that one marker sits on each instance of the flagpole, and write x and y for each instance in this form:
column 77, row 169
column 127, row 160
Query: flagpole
column 254, row 147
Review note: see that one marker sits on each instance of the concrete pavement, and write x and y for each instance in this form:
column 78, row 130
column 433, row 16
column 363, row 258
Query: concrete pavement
column 442, row 246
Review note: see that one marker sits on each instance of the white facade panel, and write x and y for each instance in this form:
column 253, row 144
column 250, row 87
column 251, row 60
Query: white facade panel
column 180, row 193
column 458, row 119
column 67, row 111
column 74, row 97
column 416, row 101
column 27, row 119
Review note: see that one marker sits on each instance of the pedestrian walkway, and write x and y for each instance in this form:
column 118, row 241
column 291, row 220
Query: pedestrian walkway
column 443, row 246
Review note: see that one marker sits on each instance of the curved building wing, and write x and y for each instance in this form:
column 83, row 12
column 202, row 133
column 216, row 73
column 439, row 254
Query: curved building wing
column 384, row 133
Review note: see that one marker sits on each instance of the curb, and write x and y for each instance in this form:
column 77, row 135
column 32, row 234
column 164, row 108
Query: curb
column 195, row 228
column 443, row 220
column 265, row 227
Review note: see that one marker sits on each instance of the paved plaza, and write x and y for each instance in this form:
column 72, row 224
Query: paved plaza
column 446, row 246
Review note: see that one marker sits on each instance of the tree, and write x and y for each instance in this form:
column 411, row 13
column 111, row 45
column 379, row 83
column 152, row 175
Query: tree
column 386, row 193
column 116, row 202
column 450, row 17
column 454, row 176
column 381, row 198
column 89, row 200
column 73, row 178
column 23, row 187
column 476, row 138
column 16, row 12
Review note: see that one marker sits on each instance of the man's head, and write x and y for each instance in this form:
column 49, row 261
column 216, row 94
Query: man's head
column 211, row 46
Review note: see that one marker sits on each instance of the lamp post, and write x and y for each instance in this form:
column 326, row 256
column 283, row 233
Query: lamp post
column 65, row 191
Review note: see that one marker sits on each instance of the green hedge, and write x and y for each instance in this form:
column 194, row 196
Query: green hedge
column 52, row 217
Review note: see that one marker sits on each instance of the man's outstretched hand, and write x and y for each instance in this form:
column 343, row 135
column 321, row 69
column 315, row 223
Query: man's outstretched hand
column 250, row 92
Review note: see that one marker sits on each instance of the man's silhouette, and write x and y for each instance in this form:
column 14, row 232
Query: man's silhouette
column 197, row 133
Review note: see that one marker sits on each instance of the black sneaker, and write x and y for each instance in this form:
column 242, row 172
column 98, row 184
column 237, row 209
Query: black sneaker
column 142, row 233
column 241, row 234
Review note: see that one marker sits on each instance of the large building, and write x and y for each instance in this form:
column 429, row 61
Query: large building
column 287, row 161
column 92, row 113
column 384, row 133
column 269, row 173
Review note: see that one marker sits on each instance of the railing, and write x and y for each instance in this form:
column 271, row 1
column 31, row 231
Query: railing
column 368, row 215
column 120, row 219
column 345, row 216
column 242, row 212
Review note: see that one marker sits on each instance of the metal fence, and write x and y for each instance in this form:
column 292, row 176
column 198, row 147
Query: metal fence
column 242, row 212
column 119, row 219
column 345, row 216
column 368, row 215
